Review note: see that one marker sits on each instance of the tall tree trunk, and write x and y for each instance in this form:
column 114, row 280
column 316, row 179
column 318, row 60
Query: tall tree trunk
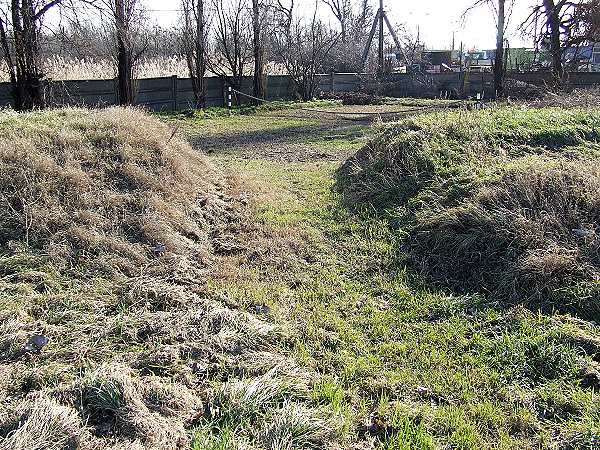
column 124, row 57
column 553, row 20
column 10, row 67
column 194, row 47
column 26, row 77
column 499, row 69
column 199, row 84
column 344, row 30
column 259, row 81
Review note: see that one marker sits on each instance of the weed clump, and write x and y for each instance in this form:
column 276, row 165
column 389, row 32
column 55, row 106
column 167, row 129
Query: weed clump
column 504, row 201
column 361, row 98
column 576, row 98
column 115, row 402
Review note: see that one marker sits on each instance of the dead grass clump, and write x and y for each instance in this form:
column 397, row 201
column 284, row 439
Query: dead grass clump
column 361, row 98
column 294, row 426
column 111, row 408
column 105, row 187
column 42, row 423
column 574, row 98
column 520, row 90
column 12, row 336
column 251, row 398
column 545, row 97
column 115, row 402
column 269, row 411
column 530, row 234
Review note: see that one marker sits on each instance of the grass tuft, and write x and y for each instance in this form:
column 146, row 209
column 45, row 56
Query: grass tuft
column 42, row 423
column 294, row 426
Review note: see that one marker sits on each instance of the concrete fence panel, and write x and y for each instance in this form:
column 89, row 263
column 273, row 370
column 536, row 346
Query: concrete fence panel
column 172, row 93
column 5, row 95
column 90, row 93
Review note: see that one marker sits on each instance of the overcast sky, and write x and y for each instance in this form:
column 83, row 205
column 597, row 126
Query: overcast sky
column 437, row 20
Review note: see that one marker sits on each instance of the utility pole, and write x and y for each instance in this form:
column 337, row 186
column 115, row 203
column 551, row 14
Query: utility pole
column 381, row 58
column 381, row 20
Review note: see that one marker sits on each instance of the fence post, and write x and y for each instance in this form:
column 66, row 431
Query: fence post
column 229, row 98
column 223, row 91
column 116, row 89
column 332, row 81
column 174, row 86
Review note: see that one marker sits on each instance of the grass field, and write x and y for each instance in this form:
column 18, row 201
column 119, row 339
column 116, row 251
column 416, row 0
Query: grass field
column 405, row 363
column 311, row 329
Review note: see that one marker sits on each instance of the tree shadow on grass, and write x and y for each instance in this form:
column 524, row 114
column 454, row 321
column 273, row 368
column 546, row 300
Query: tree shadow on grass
column 283, row 141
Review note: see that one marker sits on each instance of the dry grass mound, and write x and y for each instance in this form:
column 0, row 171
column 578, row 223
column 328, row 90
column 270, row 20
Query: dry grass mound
column 111, row 230
column 109, row 408
column 505, row 201
column 104, row 187
column 532, row 234
column 575, row 98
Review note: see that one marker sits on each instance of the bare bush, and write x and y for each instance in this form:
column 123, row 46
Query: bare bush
column 194, row 41
column 304, row 51
column 232, row 41
column 577, row 98
column 21, row 23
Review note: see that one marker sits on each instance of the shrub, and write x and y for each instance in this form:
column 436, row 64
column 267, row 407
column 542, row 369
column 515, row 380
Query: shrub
column 361, row 98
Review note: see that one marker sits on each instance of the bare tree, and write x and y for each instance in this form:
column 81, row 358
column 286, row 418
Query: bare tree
column 502, row 10
column 552, row 12
column 588, row 18
column 564, row 24
column 20, row 25
column 499, row 62
column 411, row 44
column 233, row 48
column 304, row 51
column 365, row 16
column 284, row 15
column 260, row 76
column 125, row 15
column 195, row 45
column 342, row 10
column 356, row 19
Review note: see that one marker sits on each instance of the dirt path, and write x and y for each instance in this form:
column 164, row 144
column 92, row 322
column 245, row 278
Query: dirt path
column 294, row 135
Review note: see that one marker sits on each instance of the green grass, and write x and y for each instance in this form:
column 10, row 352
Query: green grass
column 219, row 112
column 378, row 332
column 445, row 154
column 491, row 201
column 436, row 369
